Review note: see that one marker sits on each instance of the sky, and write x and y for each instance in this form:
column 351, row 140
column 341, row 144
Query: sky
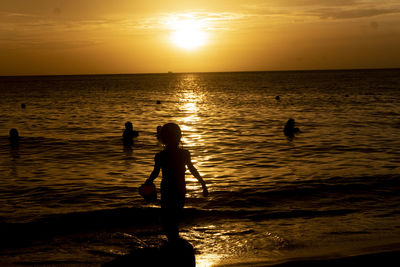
column 51, row 37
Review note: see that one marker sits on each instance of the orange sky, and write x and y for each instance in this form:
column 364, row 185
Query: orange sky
column 127, row 36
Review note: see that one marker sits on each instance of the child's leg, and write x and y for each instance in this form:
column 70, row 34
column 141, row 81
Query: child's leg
column 171, row 212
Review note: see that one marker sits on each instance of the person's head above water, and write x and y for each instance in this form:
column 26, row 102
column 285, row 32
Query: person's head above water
column 290, row 123
column 14, row 136
column 128, row 125
column 170, row 134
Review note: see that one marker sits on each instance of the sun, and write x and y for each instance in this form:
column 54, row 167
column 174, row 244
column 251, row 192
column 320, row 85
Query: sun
column 188, row 33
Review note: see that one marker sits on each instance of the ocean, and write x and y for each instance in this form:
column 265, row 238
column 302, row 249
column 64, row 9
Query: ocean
column 69, row 188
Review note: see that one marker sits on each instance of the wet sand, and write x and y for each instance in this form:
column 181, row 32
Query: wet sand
column 387, row 258
column 178, row 253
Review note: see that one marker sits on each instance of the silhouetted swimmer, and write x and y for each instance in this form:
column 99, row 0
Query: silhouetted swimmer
column 289, row 129
column 23, row 105
column 158, row 102
column 173, row 161
column 129, row 133
column 277, row 98
column 14, row 136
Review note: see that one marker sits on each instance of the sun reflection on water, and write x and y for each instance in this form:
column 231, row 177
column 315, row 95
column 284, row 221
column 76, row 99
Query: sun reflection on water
column 207, row 260
column 189, row 106
column 191, row 122
column 233, row 243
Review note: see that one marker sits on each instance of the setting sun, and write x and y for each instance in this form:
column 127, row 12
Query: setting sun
column 188, row 33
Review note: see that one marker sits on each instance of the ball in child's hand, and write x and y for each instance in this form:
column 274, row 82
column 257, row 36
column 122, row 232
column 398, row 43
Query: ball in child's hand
column 148, row 192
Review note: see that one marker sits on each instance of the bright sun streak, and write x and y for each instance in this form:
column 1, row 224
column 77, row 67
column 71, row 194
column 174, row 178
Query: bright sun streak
column 188, row 33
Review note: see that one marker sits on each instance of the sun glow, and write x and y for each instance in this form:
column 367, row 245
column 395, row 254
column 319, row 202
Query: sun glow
column 188, row 33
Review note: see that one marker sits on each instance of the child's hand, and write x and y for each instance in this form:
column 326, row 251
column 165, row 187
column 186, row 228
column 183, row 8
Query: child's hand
column 148, row 182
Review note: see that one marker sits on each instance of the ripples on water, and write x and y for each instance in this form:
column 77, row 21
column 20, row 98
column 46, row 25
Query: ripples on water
column 71, row 156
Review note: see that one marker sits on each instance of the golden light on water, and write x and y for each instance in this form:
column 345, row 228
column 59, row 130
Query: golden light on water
column 207, row 256
column 191, row 137
column 189, row 106
column 191, row 117
column 207, row 260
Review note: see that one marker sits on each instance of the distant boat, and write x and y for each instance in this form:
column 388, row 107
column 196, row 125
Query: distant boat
column 170, row 72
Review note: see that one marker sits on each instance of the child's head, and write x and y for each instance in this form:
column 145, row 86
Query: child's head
column 171, row 134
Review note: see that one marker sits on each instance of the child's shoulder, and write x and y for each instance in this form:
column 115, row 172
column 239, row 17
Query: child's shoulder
column 186, row 153
column 183, row 152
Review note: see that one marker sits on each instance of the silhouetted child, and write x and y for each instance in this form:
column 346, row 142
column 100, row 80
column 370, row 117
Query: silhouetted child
column 173, row 161
column 289, row 129
column 129, row 133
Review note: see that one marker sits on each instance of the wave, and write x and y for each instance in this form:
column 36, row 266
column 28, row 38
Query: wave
column 282, row 199
column 364, row 192
column 138, row 219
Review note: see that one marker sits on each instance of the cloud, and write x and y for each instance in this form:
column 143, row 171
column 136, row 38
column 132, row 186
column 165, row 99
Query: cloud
column 325, row 9
column 207, row 20
column 27, row 31
column 297, row 3
column 352, row 13
column 14, row 15
column 89, row 29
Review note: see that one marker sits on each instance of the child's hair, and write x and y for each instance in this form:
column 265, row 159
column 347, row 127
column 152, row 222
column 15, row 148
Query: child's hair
column 171, row 134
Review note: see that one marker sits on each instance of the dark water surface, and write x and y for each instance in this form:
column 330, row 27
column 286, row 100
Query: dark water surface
column 331, row 190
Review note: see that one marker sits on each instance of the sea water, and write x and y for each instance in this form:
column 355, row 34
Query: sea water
column 68, row 189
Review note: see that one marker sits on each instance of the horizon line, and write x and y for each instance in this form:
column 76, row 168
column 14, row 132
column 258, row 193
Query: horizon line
column 198, row 72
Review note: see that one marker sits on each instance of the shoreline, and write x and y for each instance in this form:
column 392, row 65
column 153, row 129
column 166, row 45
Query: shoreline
column 381, row 258
column 386, row 255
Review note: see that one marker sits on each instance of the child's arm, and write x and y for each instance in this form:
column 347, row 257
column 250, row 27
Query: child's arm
column 197, row 175
column 156, row 171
